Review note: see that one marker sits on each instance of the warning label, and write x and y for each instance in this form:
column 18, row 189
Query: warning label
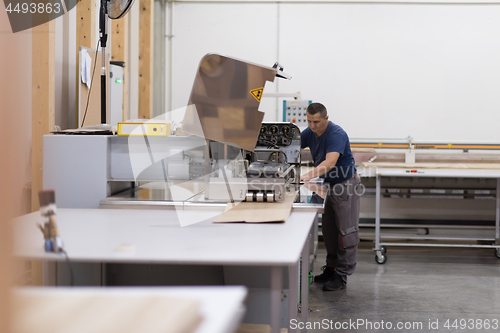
column 257, row 93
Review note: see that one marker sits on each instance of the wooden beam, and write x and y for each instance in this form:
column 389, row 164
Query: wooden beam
column 12, row 137
column 42, row 112
column 119, row 52
column 146, row 33
column 85, row 36
column 43, row 100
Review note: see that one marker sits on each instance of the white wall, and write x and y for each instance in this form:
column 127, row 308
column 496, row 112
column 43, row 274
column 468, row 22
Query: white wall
column 245, row 31
column 384, row 70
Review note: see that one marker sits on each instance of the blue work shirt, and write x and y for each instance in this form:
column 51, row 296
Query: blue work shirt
column 333, row 139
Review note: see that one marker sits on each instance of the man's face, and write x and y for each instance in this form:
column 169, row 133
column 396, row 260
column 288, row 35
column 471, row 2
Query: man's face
column 316, row 123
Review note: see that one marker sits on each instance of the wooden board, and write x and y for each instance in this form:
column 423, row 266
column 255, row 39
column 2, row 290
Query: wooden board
column 258, row 212
column 146, row 51
column 119, row 52
column 93, row 116
column 401, row 165
column 83, row 313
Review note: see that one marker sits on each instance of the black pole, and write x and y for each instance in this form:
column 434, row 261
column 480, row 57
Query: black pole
column 104, row 38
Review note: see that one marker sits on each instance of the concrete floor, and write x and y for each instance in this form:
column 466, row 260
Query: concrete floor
column 422, row 288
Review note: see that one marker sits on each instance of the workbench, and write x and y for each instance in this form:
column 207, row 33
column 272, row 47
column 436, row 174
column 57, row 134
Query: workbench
column 124, row 236
column 441, row 178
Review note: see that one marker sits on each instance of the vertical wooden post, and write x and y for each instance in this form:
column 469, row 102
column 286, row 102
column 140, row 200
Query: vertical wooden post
column 42, row 113
column 13, row 106
column 85, row 36
column 119, row 52
column 146, row 34
column 43, row 100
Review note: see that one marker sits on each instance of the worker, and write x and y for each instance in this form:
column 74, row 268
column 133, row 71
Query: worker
column 333, row 161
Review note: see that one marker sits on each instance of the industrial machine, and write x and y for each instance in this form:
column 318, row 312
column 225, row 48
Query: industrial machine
column 262, row 175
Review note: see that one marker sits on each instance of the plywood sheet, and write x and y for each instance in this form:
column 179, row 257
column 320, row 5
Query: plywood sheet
column 83, row 313
column 258, row 212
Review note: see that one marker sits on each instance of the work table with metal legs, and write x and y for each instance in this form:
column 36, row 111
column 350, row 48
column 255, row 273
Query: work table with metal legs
column 123, row 236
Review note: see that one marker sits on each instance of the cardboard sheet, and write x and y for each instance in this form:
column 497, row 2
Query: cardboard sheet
column 258, row 212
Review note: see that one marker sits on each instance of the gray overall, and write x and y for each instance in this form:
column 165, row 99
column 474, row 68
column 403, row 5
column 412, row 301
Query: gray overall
column 340, row 226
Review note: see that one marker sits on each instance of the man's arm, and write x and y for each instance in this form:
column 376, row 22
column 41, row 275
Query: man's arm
column 325, row 166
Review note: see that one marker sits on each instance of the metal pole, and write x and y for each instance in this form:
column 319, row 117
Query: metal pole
column 497, row 217
column 304, row 304
column 377, row 214
column 276, row 283
column 293, row 300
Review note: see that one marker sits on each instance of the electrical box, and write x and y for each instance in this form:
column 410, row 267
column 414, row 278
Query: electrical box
column 115, row 92
column 295, row 112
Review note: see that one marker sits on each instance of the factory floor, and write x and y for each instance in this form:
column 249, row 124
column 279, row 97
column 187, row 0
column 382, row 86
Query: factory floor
column 419, row 289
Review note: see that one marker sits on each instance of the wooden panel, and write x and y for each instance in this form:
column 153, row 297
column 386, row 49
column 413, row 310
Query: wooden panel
column 119, row 52
column 93, row 116
column 85, row 35
column 43, row 100
column 101, row 311
column 146, row 24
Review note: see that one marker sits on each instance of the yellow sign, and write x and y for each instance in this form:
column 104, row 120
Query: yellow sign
column 143, row 129
column 257, row 93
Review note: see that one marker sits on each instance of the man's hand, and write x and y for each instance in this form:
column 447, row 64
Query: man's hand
column 306, row 177
column 322, row 168
column 319, row 189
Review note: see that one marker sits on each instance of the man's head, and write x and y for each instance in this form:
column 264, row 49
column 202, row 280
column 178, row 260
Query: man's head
column 317, row 118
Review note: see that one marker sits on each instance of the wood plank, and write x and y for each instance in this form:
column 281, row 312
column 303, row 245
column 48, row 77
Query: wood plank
column 43, row 113
column 119, row 52
column 11, row 93
column 146, row 33
column 43, row 100
column 103, row 312
column 461, row 166
column 85, row 36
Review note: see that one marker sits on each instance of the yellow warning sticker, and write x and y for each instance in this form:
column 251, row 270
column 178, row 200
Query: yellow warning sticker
column 257, row 93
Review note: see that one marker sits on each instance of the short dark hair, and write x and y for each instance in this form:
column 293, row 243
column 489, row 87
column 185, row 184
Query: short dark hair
column 314, row 108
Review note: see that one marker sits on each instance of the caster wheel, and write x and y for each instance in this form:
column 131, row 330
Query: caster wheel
column 380, row 260
column 497, row 252
column 384, row 249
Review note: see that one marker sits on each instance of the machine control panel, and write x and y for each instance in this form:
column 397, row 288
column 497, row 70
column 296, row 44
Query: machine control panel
column 295, row 112
column 280, row 134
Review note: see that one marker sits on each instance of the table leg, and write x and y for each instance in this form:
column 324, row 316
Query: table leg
column 276, row 284
column 49, row 273
column 377, row 217
column 293, row 300
column 497, row 217
column 304, row 305
column 377, row 213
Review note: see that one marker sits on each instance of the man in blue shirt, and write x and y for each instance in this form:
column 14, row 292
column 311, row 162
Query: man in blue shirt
column 333, row 161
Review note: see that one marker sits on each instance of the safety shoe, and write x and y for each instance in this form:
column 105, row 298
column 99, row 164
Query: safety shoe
column 335, row 283
column 325, row 276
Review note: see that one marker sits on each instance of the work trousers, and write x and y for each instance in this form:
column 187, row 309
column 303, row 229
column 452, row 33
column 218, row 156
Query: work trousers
column 340, row 225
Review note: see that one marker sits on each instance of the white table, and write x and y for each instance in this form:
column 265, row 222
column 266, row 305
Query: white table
column 221, row 307
column 154, row 236
column 430, row 173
